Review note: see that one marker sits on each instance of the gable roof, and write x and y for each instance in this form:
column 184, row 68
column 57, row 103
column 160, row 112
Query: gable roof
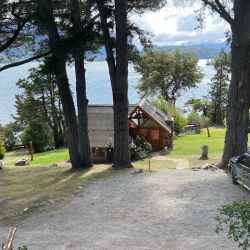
column 152, row 112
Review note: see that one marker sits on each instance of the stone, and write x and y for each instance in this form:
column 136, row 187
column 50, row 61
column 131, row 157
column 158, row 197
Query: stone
column 212, row 167
column 22, row 163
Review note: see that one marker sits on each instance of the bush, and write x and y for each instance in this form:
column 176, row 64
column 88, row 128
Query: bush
column 38, row 133
column 140, row 149
column 237, row 217
column 2, row 152
column 179, row 122
column 198, row 121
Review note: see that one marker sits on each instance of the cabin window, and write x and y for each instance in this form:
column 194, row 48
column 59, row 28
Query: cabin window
column 155, row 135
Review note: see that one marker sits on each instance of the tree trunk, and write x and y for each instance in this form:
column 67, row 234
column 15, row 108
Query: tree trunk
column 82, row 104
column 46, row 9
column 82, row 101
column 118, row 71
column 120, row 89
column 238, row 106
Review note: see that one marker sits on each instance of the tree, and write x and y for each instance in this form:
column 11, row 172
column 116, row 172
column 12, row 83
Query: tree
column 219, row 88
column 116, row 14
column 44, row 10
column 79, row 31
column 198, row 121
column 18, row 34
column 200, row 105
column 167, row 75
column 40, row 101
column 237, row 14
column 36, row 132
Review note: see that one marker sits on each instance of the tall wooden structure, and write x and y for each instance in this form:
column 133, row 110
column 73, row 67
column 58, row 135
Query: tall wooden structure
column 147, row 121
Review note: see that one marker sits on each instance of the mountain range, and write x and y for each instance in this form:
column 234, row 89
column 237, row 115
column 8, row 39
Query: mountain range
column 207, row 50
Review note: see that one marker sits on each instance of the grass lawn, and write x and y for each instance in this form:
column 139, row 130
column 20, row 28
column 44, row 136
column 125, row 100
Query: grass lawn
column 190, row 145
column 41, row 159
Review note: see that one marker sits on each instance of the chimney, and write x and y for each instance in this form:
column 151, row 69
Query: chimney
column 170, row 109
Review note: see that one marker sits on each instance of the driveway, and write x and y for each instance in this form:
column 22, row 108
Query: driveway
column 170, row 209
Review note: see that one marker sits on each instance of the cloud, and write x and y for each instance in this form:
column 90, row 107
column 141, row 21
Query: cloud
column 176, row 25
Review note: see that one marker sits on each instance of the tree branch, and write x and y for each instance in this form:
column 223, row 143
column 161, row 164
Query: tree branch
column 220, row 9
column 11, row 65
column 13, row 38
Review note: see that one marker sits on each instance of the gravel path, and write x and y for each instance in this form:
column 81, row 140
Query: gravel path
column 172, row 209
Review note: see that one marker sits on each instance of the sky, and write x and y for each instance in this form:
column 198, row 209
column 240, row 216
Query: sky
column 176, row 25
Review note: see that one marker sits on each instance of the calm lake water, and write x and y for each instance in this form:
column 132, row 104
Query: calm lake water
column 98, row 86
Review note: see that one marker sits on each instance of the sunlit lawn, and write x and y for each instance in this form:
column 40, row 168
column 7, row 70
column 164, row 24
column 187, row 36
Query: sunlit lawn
column 41, row 159
column 190, row 145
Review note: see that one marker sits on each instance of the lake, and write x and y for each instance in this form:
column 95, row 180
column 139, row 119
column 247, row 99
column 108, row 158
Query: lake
column 98, row 86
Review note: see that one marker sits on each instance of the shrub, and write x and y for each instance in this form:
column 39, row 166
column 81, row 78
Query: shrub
column 237, row 217
column 2, row 152
column 179, row 122
column 140, row 149
column 38, row 133
column 198, row 121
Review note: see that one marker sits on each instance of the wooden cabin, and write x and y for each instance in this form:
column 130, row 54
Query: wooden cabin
column 147, row 121
column 144, row 120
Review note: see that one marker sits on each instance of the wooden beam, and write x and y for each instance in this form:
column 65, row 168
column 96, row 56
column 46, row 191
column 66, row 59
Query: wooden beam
column 7, row 245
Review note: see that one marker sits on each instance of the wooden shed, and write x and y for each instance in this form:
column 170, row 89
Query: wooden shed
column 148, row 121
column 101, row 131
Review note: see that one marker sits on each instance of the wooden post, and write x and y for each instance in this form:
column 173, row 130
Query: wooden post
column 149, row 165
column 7, row 245
column 208, row 132
column 31, row 151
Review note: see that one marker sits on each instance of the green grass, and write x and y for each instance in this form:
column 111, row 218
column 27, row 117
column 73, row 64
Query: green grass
column 190, row 145
column 41, row 159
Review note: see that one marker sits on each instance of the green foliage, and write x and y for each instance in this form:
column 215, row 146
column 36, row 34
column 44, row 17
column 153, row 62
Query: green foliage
column 40, row 101
column 167, row 74
column 161, row 104
column 24, row 247
column 38, row 133
column 198, row 121
column 219, row 88
column 236, row 217
column 141, row 149
column 2, row 151
column 200, row 105
column 179, row 122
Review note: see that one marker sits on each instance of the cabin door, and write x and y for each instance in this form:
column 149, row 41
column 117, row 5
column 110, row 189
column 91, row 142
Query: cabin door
column 155, row 139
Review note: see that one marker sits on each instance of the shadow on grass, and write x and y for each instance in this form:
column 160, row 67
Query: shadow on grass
column 24, row 191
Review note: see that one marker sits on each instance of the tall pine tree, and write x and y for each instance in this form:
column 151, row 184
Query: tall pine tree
column 219, row 88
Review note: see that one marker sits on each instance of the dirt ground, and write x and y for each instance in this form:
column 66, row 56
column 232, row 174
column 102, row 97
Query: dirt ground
column 170, row 209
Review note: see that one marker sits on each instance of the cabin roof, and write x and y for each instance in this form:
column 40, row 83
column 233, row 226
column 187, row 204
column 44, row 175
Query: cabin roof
column 153, row 112
column 101, row 127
